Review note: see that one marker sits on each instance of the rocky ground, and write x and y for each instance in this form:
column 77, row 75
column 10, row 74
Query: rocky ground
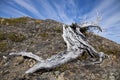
column 43, row 38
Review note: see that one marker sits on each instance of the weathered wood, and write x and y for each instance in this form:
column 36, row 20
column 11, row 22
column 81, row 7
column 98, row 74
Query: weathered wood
column 76, row 45
column 28, row 54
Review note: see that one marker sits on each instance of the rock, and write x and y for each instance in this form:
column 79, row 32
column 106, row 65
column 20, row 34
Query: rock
column 104, row 76
column 61, row 77
column 19, row 59
column 57, row 73
column 112, row 77
column 92, row 76
column 41, row 78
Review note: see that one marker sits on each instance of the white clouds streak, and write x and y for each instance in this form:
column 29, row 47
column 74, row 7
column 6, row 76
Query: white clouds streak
column 26, row 4
column 112, row 20
column 62, row 14
column 14, row 12
column 109, row 9
column 48, row 9
column 57, row 11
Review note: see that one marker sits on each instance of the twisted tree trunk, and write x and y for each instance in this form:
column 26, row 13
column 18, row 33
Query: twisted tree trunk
column 76, row 45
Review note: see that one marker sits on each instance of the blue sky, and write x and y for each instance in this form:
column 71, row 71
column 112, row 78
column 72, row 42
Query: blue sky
column 68, row 11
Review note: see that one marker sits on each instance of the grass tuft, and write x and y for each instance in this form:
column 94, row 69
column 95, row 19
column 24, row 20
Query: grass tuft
column 16, row 37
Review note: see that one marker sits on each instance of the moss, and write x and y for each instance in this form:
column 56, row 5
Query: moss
column 32, row 42
column 57, row 29
column 16, row 37
column 38, row 21
column 44, row 34
column 114, row 51
column 3, row 46
column 13, row 21
column 2, row 35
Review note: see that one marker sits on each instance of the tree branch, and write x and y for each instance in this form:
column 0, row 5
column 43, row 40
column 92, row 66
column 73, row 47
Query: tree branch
column 28, row 54
column 76, row 45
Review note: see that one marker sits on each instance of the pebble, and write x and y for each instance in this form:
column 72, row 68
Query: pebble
column 61, row 76
column 111, row 77
column 57, row 73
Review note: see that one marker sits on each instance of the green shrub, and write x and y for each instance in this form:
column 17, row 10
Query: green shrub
column 44, row 34
column 2, row 35
column 38, row 21
column 57, row 29
column 13, row 21
column 3, row 46
column 16, row 37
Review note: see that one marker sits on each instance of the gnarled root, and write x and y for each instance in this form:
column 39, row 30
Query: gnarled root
column 76, row 45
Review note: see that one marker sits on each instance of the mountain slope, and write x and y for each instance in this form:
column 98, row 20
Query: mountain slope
column 43, row 37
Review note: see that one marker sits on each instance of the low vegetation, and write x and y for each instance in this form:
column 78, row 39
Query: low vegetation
column 12, row 21
column 16, row 37
column 2, row 35
column 4, row 46
column 38, row 21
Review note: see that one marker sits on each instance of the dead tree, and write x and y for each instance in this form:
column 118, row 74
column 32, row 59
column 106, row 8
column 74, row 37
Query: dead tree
column 76, row 44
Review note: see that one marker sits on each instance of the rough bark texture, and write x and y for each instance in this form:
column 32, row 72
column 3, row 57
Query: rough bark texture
column 76, row 45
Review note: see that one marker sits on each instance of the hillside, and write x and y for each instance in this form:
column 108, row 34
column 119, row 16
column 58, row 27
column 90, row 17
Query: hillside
column 43, row 38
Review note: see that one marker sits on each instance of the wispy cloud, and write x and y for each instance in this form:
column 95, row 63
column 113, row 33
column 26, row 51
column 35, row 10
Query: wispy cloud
column 57, row 10
column 28, row 6
column 14, row 12
column 62, row 15
column 110, row 18
column 48, row 10
column 9, row 11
